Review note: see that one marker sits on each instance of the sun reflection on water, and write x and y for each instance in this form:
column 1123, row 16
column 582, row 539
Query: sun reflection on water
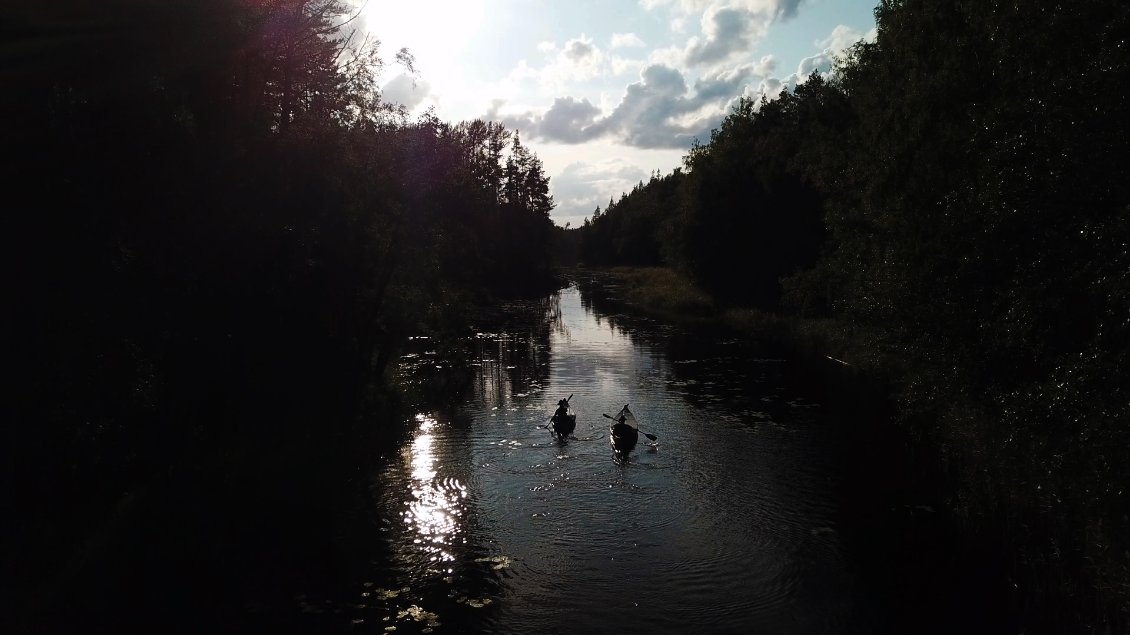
column 436, row 506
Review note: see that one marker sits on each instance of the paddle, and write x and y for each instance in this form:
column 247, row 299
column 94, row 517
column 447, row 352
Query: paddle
column 650, row 436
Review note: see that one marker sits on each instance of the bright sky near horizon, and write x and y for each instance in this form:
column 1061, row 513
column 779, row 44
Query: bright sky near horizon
column 606, row 91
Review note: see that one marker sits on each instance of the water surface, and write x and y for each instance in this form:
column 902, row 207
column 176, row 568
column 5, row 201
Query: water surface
column 737, row 520
column 730, row 523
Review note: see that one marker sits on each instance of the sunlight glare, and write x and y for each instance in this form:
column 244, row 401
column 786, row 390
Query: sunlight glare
column 436, row 506
column 430, row 30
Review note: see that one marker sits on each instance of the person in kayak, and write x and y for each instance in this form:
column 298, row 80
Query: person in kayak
column 562, row 410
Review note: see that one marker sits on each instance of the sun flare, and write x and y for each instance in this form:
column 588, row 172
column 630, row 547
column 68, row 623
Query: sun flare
column 430, row 30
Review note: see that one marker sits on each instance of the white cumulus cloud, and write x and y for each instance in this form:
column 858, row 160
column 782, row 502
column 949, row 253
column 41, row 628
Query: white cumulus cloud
column 626, row 40
column 660, row 110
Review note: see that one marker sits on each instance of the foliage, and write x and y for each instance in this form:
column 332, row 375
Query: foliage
column 986, row 240
column 222, row 237
column 632, row 231
column 663, row 291
column 751, row 216
column 744, row 213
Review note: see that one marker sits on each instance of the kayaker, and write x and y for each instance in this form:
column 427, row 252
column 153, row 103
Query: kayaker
column 562, row 409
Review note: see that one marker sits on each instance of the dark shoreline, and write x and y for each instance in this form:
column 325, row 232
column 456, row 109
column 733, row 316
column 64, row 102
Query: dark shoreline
column 902, row 451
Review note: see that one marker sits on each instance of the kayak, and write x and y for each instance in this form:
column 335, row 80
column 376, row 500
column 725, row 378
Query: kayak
column 563, row 426
column 624, row 433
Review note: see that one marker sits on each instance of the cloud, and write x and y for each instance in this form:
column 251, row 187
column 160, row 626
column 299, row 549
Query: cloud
column 669, row 56
column 522, row 122
column 726, row 85
column 728, row 32
column 626, row 40
column 584, row 183
column 622, row 65
column 823, row 63
column 820, row 63
column 579, row 49
column 786, row 9
column 841, row 38
column 567, row 119
column 771, row 88
column 729, row 27
column 578, row 60
column 834, row 46
column 660, row 80
column 522, row 71
column 581, row 186
column 667, row 107
column 646, row 115
column 406, row 90
column 774, row 9
column 658, row 111
column 765, row 66
column 547, row 47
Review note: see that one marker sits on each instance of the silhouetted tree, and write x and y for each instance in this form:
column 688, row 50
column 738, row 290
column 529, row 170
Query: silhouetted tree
column 222, row 238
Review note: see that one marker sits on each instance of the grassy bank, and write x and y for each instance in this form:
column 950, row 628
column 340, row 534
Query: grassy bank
column 666, row 294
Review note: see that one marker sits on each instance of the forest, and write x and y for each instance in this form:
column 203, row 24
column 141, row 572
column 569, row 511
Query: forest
column 950, row 207
column 217, row 239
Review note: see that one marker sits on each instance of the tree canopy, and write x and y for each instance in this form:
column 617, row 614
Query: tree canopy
column 217, row 239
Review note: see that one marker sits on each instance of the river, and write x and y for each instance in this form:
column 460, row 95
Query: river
column 744, row 517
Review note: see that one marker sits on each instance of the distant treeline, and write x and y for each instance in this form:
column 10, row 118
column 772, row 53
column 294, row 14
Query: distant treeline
column 216, row 236
column 955, row 196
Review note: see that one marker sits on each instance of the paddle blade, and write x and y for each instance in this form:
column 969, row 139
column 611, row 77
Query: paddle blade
column 651, row 436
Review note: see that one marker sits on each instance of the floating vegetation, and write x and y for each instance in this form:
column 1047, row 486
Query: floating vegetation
column 473, row 602
column 385, row 594
column 500, row 562
column 420, row 615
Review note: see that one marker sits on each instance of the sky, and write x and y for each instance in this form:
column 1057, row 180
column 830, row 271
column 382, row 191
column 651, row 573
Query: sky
column 606, row 92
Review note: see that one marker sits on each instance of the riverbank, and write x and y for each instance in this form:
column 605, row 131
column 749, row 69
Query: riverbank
column 1059, row 552
column 839, row 360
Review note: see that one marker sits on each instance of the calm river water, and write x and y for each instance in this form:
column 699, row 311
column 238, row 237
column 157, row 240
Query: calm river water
column 736, row 521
